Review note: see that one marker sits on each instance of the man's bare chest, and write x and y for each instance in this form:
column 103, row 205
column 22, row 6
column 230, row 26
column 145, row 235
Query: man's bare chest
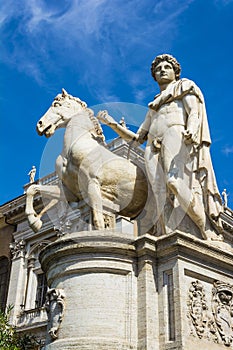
column 168, row 115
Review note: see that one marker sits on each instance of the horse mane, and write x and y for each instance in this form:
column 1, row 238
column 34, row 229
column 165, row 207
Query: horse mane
column 98, row 129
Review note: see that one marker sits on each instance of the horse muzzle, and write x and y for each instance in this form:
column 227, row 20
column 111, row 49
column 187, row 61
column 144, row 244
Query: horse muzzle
column 44, row 130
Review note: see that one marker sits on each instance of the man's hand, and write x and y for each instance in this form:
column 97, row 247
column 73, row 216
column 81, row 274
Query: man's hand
column 189, row 137
column 105, row 118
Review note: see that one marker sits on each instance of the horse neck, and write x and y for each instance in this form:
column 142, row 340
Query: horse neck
column 79, row 127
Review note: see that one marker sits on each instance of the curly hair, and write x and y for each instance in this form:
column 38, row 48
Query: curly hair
column 170, row 59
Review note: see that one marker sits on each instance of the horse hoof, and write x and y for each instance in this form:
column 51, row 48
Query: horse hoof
column 36, row 226
column 34, row 223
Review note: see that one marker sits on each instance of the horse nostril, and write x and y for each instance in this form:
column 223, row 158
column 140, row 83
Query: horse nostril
column 40, row 123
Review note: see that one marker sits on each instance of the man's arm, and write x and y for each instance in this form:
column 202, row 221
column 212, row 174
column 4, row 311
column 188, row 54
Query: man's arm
column 126, row 134
column 193, row 121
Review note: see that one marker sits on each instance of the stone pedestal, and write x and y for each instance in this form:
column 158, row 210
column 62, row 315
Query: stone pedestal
column 113, row 291
column 95, row 274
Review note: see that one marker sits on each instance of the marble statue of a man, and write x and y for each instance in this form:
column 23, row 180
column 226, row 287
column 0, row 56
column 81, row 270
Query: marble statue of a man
column 177, row 157
column 225, row 197
column 32, row 174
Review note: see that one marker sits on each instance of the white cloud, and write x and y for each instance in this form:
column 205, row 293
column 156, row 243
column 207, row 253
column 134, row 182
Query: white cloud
column 227, row 150
column 105, row 38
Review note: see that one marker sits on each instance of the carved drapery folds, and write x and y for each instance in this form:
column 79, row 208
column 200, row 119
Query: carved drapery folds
column 55, row 304
column 213, row 321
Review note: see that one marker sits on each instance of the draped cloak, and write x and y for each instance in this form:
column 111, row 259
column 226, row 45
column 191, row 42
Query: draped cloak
column 176, row 91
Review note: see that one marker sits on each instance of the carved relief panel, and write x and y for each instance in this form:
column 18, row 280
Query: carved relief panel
column 212, row 320
column 222, row 309
column 197, row 307
column 55, row 304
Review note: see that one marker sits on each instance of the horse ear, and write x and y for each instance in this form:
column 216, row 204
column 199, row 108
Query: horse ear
column 64, row 93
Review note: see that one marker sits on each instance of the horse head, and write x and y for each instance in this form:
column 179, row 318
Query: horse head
column 64, row 106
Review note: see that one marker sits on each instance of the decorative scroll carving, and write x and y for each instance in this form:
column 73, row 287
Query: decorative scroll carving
column 18, row 249
column 55, row 303
column 197, row 308
column 63, row 228
column 222, row 306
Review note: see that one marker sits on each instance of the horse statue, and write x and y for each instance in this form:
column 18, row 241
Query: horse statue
column 87, row 170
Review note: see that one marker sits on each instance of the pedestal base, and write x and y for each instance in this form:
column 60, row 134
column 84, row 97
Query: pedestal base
column 96, row 272
column 89, row 344
column 145, row 293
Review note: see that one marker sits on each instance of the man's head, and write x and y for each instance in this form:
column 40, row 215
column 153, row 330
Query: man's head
column 168, row 58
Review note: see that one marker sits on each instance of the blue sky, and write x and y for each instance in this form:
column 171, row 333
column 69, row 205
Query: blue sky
column 101, row 51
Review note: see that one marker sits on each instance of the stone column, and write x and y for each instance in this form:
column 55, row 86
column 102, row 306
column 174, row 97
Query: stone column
column 30, row 293
column 92, row 301
column 17, row 281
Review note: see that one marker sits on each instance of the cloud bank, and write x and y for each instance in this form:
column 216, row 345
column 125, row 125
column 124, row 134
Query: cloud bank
column 93, row 39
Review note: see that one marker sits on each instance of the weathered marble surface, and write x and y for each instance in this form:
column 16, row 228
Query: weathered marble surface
column 86, row 168
column 177, row 157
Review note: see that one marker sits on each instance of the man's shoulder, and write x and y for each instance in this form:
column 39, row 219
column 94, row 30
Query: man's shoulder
column 186, row 86
column 185, row 83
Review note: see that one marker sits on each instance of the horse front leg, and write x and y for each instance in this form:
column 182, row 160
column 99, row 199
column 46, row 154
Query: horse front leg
column 53, row 192
column 95, row 202
column 34, row 221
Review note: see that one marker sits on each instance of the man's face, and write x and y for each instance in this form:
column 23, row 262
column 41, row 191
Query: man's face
column 164, row 73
